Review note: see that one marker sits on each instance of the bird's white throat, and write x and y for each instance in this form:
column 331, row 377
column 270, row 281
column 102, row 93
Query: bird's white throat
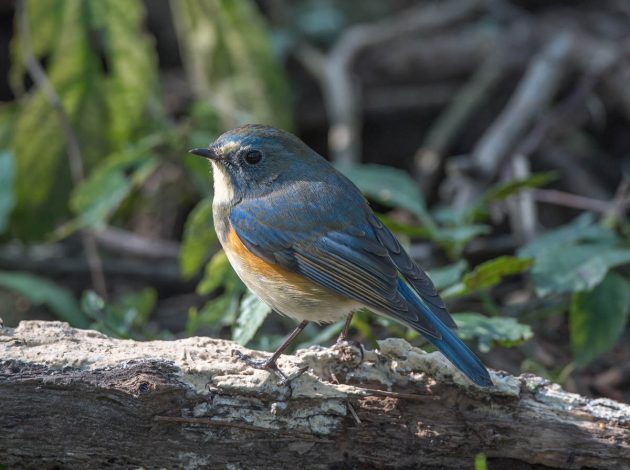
column 223, row 189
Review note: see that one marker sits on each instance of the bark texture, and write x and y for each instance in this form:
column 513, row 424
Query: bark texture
column 77, row 399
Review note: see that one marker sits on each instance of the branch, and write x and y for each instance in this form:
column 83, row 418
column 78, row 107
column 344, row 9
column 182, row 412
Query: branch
column 341, row 97
column 77, row 399
column 533, row 94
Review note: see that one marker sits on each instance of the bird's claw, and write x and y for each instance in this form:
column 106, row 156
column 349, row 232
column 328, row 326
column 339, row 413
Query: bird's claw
column 345, row 342
column 268, row 364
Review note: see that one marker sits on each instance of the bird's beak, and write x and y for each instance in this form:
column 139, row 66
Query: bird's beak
column 208, row 153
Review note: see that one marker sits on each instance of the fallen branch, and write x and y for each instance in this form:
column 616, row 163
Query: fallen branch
column 78, row 399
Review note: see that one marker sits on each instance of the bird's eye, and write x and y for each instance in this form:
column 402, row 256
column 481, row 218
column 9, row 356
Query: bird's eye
column 253, row 156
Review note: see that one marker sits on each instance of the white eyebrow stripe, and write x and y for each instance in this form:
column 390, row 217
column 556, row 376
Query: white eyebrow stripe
column 228, row 147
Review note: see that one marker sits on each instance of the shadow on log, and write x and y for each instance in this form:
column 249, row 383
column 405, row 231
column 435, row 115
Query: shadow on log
column 78, row 399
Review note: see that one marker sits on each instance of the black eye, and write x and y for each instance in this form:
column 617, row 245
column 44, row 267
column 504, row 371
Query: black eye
column 253, row 156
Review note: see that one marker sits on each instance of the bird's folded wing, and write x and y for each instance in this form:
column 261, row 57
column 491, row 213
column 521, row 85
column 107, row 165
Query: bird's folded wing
column 412, row 273
column 352, row 262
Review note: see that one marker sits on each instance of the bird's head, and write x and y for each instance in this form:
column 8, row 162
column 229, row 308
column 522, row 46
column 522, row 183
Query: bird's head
column 253, row 160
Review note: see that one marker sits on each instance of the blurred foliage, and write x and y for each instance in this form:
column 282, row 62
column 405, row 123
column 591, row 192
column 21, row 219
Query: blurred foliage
column 102, row 63
column 126, row 317
column 39, row 291
column 230, row 62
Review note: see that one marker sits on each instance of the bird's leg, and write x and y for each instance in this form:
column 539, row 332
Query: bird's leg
column 345, row 333
column 270, row 364
column 344, row 340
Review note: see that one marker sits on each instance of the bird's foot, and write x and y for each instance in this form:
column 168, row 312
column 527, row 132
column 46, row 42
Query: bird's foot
column 268, row 364
column 350, row 348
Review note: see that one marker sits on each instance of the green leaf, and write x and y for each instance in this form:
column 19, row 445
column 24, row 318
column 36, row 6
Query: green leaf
column 455, row 239
column 599, row 317
column 92, row 304
column 582, row 228
column 504, row 190
column 104, row 104
column 7, row 188
column 219, row 273
column 489, row 274
column 481, row 462
column 199, row 238
column 132, row 75
column 446, row 276
column 42, row 291
column 391, row 187
column 98, row 197
column 575, row 268
column 137, row 306
column 253, row 313
column 227, row 55
column 491, row 331
column 492, row 272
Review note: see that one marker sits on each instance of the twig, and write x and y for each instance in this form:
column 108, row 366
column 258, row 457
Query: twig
column 596, row 53
column 521, row 207
column 133, row 244
column 75, row 159
column 440, row 137
column 561, row 198
column 619, row 204
column 341, row 97
column 534, row 92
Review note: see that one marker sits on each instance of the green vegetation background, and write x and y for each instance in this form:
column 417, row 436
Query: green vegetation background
column 103, row 65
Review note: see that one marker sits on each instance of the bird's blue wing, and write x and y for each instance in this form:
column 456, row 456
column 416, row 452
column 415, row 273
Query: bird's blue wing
column 353, row 254
column 347, row 259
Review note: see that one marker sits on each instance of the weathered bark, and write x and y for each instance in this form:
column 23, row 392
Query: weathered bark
column 78, row 399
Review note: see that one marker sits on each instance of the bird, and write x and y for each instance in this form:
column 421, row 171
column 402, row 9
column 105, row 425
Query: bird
column 303, row 238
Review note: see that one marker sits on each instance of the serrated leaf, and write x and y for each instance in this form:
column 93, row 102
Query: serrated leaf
column 391, row 187
column 7, row 188
column 40, row 291
column 599, row 317
column 253, row 312
column 575, row 268
column 504, row 190
column 488, row 274
column 199, row 238
column 492, row 272
column 101, row 113
column 492, row 331
column 132, row 73
column 98, row 197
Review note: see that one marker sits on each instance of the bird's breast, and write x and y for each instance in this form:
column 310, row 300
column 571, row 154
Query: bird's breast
column 286, row 292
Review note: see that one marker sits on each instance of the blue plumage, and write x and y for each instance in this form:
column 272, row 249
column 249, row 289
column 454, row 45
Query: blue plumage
column 304, row 222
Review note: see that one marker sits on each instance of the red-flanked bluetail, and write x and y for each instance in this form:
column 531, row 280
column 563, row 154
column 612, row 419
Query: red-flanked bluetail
column 303, row 238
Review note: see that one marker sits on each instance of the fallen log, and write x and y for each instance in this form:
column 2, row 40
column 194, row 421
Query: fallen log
column 77, row 399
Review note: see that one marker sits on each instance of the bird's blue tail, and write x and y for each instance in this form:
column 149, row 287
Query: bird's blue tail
column 450, row 345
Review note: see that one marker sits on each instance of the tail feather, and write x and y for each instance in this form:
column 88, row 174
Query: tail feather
column 449, row 344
